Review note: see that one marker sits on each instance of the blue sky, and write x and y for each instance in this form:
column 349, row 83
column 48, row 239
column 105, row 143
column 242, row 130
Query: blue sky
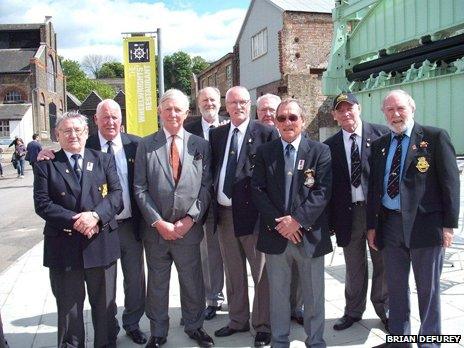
column 205, row 28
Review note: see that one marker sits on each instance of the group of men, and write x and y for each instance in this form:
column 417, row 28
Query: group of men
column 259, row 191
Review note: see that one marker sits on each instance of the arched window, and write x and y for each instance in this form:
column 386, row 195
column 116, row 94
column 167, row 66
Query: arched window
column 12, row 97
column 50, row 74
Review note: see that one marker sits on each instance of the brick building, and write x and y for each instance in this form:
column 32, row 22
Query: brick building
column 219, row 74
column 283, row 48
column 32, row 85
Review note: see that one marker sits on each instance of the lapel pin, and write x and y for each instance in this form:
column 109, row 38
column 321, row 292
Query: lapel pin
column 368, row 142
column 309, row 178
column 67, row 171
column 301, row 164
column 423, row 144
column 414, row 147
column 383, row 152
column 89, row 166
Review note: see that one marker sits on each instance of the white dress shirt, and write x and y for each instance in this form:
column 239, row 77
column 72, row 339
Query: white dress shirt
column 123, row 173
column 356, row 192
column 206, row 127
column 221, row 197
column 71, row 160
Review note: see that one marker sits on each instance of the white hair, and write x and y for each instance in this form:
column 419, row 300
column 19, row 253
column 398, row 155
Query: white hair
column 72, row 114
column 276, row 98
column 175, row 94
column 111, row 103
column 411, row 101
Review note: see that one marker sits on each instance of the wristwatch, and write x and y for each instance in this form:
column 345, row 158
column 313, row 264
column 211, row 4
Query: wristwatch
column 95, row 215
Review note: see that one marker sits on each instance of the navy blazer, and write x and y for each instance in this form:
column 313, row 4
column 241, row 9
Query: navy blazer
column 58, row 197
column 196, row 128
column 130, row 143
column 244, row 211
column 33, row 149
column 309, row 201
column 339, row 209
column 429, row 199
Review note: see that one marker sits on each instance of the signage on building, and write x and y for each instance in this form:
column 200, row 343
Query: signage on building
column 140, row 85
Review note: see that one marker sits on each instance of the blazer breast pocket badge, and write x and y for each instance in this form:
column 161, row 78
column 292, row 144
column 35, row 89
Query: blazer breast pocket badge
column 104, row 190
column 422, row 164
column 309, row 178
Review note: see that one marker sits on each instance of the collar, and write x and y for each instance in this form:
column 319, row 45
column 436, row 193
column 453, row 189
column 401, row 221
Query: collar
column 69, row 154
column 180, row 133
column 242, row 127
column 295, row 143
column 357, row 131
column 116, row 141
column 205, row 125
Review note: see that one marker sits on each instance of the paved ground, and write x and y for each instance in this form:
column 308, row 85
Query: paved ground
column 29, row 311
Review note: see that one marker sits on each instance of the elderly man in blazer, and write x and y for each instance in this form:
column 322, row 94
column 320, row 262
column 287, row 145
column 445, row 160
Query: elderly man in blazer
column 209, row 103
column 172, row 188
column 413, row 206
column 78, row 195
column 291, row 189
column 234, row 149
column 350, row 149
column 123, row 146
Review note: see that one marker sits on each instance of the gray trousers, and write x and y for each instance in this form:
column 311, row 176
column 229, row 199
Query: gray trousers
column 279, row 268
column 134, row 276
column 187, row 259
column 68, row 287
column 357, row 274
column 212, row 265
column 3, row 342
column 427, row 264
column 235, row 253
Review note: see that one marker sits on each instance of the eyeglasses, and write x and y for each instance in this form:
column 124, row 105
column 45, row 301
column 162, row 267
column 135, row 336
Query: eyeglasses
column 291, row 118
column 69, row 132
column 238, row 102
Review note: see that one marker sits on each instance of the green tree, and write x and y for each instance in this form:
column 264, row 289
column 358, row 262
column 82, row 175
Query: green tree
column 80, row 85
column 111, row 69
column 178, row 70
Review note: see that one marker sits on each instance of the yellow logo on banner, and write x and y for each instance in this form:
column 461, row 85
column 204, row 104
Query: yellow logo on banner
column 140, row 85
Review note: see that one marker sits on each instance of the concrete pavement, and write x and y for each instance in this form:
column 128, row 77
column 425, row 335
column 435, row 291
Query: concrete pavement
column 29, row 311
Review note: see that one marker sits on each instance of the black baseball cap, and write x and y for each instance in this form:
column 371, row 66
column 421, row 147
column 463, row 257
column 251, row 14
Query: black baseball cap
column 345, row 97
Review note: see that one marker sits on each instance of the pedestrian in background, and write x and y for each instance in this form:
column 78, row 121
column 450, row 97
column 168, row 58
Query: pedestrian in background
column 20, row 156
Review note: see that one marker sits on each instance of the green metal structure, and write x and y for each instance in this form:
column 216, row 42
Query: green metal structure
column 415, row 45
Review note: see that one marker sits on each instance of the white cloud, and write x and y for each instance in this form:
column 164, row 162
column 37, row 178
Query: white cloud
column 86, row 26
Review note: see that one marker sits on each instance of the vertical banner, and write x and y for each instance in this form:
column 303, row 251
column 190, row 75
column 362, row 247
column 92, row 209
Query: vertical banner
column 140, row 85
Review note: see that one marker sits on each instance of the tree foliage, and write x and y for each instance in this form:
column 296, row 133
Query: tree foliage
column 178, row 70
column 111, row 69
column 80, row 85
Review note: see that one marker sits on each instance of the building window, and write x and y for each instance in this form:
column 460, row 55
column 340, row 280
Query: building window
column 4, row 128
column 212, row 80
column 12, row 97
column 50, row 74
column 259, row 44
column 229, row 76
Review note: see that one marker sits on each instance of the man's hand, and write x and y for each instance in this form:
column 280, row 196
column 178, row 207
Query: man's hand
column 447, row 237
column 94, row 231
column 46, row 154
column 85, row 223
column 289, row 228
column 167, row 230
column 371, row 239
column 183, row 225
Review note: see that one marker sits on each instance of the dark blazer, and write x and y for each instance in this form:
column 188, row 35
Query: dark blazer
column 308, row 202
column 195, row 127
column 430, row 199
column 33, row 149
column 339, row 209
column 244, row 211
column 58, row 197
column 130, row 143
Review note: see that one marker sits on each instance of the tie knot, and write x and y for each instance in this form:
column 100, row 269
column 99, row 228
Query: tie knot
column 399, row 137
column 109, row 143
column 289, row 148
column 76, row 157
column 353, row 136
column 212, row 126
column 235, row 130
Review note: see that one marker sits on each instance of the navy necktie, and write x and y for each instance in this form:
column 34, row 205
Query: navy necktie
column 355, row 162
column 110, row 147
column 393, row 185
column 231, row 164
column 76, row 167
column 289, row 168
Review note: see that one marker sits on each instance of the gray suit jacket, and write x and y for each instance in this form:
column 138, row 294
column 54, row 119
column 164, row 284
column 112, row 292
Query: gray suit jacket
column 156, row 193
